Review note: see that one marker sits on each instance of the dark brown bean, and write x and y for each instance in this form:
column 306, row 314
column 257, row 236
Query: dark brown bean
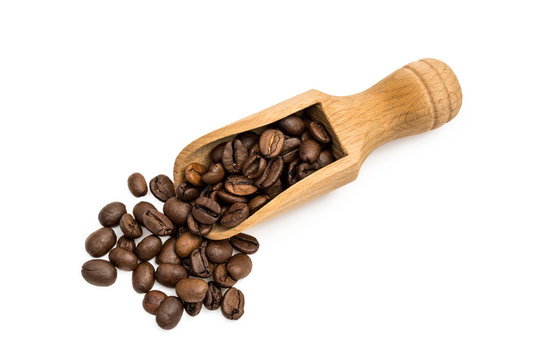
column 130, row 227
column 232, row 304
column 137, row 184
column 325, row 158
column 245, row 243
column 177, row 210
column 222, row 277
column 212, row 300
column 319, row 133
column 169, row 313
column 200, row 266
column 125, row 243
column 215, row 174
column 157, row 223
column 290, row 149
column 140, row 209
column 191, row 290
column 218, row 251
column 123, row 259
column 186, row 192
column 99, row 272
column 309, row 151
column 248, row 138
column 292, row 125
column 162, row 187
column 234, row 156
column 275, row 189
column 271, row 143
column 100, row 242
column 217, row 153
column 240, row 185
column 257, row 202
column 152, row 300
column 194, row 173
column 225, row 197
column 142, row 277
column 148, row 248
column 239, row 266
column 254, row 166
column 305, row 136
column 186, row 243
column 206, row 210
column 197, row 228
column 169, row 274
column 271, row 174
column 111, row 213
column 237, row 213
column 167, row 255
column 193, row 309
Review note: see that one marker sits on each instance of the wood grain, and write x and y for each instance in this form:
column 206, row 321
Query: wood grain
column 420, row 96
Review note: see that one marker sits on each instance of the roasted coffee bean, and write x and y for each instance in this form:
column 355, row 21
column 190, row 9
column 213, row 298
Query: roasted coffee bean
column 298, row 170
column 206, row 210
column 191, row 290
column 222, row 277
column 125, row 243
column 157, row 223
column 100, row 242
column 319, row 133
column 130, row 227
column 257, row 202
column 217, row 153
column 292, row 125
column 245, row 243
column 186, row 192
column 137, row 184
column 218, row 251
column 169, row 313
column 271, row 143
column 237, row 213
column 169, row 274
column 140, row 208
column 255, row 149
column 232, row 304
column 111, row 213
column 99, row 272
column 197, row 228
column 275, row 189
column 142, row 277
column 290, row 149
column 305, row 169
column 152, row 300
column 200, row 265
column 167, row 255
column 254, row 166
column 240, row 185
column 212, row 300
column 177, row 210
column 162, row 187
column 325, row 158
column 239, row 266
column 248, row 138
column 309, row 150
column 271, row 174
column 148, row 248
column 186, row 243
column 234, row 156
column 194, row 173
column 225, row 197
column 215, row 174
column 123, row 259
column 305, row 136
column 193, row 309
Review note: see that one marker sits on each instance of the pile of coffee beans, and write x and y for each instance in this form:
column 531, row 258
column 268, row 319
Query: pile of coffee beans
column 183, row 262
column 247, row 172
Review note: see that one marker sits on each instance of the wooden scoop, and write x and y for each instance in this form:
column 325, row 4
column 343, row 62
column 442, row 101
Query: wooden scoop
column 420, row 96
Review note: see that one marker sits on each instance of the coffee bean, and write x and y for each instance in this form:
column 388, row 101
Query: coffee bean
column 271, row 143
column 239, row 266
column 222, row 277
column 194, row 173
column 257, row 202
column 137, row 185
column 309, row 150
column 200, row 266
column 167, row 255
column 254, row 149
column 216, row 154
column 240, row 185
column 140, row 208
column 325, row 158
column 148, row 248
column 100, row 242
column 169, row 313
column 305, row 136
column 157, row 223
column 111, row 213
column 305, row 169
column 99, row 272
column 197, row 228
column 191, row 290
column 142, row 277
column 218, row 251
column 193, row 309
column 275, row 189
column 169, row 274
column 319, row 133
column 212, row 300
column 186, row 192
column 271, row 174
column 215, row 174
column 232, row 304
column 123, row 259
column 245, row 243
column 206, row 210
column 225, row 197
column 248, row 138
column 177, row 211
column 125, row 243
column 234, row 156
column 290, row 149
column 130, row 227
column 254, row 166
column 298, row 170
column 237, row 213
column 162, row 187
column 292, row 125
column 152, row 300
column 186, row 243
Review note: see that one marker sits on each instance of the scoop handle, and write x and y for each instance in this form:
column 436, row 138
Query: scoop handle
column 420, row 96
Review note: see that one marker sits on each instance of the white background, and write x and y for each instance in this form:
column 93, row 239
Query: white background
column 432, row 253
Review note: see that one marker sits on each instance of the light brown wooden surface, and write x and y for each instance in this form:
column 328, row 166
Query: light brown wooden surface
column 421, row 96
